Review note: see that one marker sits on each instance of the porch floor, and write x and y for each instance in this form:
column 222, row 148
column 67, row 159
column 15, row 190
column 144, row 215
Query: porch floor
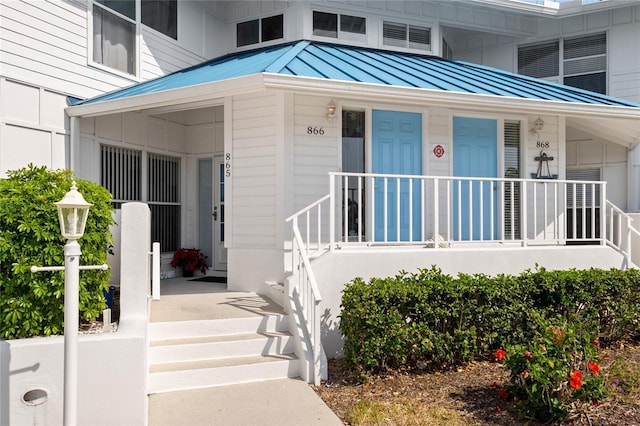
column 182, row 299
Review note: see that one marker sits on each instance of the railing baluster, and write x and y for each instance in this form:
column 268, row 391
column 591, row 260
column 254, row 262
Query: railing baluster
column 410, row 209
column 345, row 208
column 574, row 213
column 584, row 211
column 481, row 209
column 423, row 210
column 384, row 213
column 525, row 214
column 398, row 210
column 535, row 212
column 436, row 214
column 470, row 209
column 544, row 234
column 593, row 210
column 359, row 206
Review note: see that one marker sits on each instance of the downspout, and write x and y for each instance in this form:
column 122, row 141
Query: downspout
column 74, row 144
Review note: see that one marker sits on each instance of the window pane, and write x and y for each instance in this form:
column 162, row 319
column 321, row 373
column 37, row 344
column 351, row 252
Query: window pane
column 120, row 173
column 113, row 41
column 419, row 37
column 539, row 61
column 394, row 34
column 164, row 200
column 585, row 46
column 325, row 24
column 161, row 15
column 594, row 82
column 124, row 7
column 248, row 32
column 353, row 24
column 272, row 28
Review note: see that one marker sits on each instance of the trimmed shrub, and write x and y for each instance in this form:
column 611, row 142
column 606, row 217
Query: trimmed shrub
column 32, row 304
column 431, row 319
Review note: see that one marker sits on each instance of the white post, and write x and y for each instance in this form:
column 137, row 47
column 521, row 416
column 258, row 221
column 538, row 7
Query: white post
column 155, row 271
column 71, row 296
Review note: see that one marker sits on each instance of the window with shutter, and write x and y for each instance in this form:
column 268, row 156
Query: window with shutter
column 541, row 61
column 403, row 35
column 512, row 192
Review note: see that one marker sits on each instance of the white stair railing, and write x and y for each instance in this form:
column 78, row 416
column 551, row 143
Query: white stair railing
column 306, row 294
column 620, row 235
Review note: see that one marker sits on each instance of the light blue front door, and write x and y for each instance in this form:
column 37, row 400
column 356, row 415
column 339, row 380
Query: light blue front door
column 397, row 149
column 475, row 145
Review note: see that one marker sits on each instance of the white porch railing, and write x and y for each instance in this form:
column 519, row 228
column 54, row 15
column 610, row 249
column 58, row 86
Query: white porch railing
column 440, row 211
column 304, row 289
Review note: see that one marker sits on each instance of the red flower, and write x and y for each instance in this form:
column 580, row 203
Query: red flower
column 576, row 379
column 503, row 393
column 525, row 374
column 500, row 354
column 495, row 385
column 528, row 355
column 596, row 343
column 594, row 367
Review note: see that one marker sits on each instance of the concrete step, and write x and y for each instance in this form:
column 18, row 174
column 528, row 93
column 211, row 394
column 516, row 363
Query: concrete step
column 219, row 347
column 217, row 327
column 220, row 372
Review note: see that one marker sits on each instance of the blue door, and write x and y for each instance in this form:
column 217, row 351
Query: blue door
column 475, row 146
column 397, row 149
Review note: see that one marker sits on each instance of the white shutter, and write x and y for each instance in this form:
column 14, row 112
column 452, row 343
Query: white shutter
column 512, row 196
column 394, row 34
column 541, row 60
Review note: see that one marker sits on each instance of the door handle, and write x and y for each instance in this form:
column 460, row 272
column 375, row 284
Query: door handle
column 215, row 213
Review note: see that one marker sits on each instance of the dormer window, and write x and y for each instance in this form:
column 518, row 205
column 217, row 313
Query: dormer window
column 260, row 30
column 403, row 35
column 338, row 26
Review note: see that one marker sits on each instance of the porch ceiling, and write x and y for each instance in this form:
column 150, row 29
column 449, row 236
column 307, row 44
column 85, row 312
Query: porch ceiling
column 622, row 132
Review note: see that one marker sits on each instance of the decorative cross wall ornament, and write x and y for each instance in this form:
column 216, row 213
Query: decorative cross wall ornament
column 543, row 166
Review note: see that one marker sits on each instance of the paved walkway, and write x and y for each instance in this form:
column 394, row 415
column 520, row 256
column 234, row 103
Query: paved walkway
column 286, row 402
column 276, row 402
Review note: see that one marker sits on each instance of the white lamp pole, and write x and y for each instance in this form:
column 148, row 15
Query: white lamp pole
column 72, row 213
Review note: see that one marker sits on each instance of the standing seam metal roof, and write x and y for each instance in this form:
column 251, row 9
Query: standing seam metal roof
column 364, row 65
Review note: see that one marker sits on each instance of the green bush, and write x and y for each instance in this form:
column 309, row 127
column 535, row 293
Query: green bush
column 32, row 304
column 431, row 319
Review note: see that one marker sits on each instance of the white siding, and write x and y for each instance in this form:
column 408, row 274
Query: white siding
column 314, row 155
column 253, row 172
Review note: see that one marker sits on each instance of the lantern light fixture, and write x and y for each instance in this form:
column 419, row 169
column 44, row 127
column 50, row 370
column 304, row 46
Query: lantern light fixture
column 538, row 125
column 72, row 213
column 331, row 111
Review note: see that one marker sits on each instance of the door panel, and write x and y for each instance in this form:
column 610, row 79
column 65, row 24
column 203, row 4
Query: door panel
column 220, row 252
column 397, row 149
column 211, row 211
column 475, row 142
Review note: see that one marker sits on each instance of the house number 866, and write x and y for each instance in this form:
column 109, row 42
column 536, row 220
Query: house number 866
column 312, row 130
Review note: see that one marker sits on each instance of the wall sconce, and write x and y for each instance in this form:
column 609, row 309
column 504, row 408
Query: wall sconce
column 538, row 125
column 331, row 111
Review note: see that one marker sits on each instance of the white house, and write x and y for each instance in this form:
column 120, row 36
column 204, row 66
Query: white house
column 330, row 140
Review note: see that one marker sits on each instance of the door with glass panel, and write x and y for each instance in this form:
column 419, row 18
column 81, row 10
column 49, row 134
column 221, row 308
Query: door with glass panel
column 211, row 211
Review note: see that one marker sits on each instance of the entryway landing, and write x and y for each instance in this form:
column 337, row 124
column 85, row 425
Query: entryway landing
column 183, row 299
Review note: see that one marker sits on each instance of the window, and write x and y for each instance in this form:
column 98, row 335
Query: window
column 121, row 174
column 164, row 200
column 161, row 15
column 353, row 125
column 114, row 38
column 326, row 24
column 403, row 35
column 115, row 26
column 583, row 64
column 259, row 30
column 512, row 171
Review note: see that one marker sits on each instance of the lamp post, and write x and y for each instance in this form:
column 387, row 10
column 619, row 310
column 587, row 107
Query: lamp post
column 72, row 213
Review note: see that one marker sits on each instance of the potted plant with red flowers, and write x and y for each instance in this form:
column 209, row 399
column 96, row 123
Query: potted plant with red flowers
column 190, row 260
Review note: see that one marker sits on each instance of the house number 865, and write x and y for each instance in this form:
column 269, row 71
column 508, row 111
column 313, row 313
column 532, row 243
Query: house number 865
column 227, row 165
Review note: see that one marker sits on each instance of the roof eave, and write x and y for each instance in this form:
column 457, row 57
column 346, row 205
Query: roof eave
column 446, row 98
column 171, row 98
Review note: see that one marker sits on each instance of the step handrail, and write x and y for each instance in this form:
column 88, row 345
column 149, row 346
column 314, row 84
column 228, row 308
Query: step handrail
column 629, row 232
column 305, row 289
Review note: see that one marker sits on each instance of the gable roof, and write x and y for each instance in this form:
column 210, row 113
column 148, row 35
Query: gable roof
column 364, row 65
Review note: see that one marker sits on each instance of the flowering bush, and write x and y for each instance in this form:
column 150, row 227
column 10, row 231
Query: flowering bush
column 556, row 368
column 190, row 260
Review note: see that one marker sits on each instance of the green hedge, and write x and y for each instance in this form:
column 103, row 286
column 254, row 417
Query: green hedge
column 32, row 304
column 432, row 318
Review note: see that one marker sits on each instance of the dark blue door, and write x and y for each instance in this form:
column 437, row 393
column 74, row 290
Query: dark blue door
column 475, row 146
column 397, row 149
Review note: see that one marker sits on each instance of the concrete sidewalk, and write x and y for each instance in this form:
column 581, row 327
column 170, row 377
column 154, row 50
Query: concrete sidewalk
column 286, row 402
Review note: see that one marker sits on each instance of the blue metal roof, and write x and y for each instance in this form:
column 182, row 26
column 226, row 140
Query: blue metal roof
column 365, row 65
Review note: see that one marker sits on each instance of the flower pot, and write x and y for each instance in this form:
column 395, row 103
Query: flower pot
column 187, row 273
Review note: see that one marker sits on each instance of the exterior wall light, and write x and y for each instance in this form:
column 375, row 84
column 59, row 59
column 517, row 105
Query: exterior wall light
column 331, row 111
column 72, row 213
column 538, row 125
